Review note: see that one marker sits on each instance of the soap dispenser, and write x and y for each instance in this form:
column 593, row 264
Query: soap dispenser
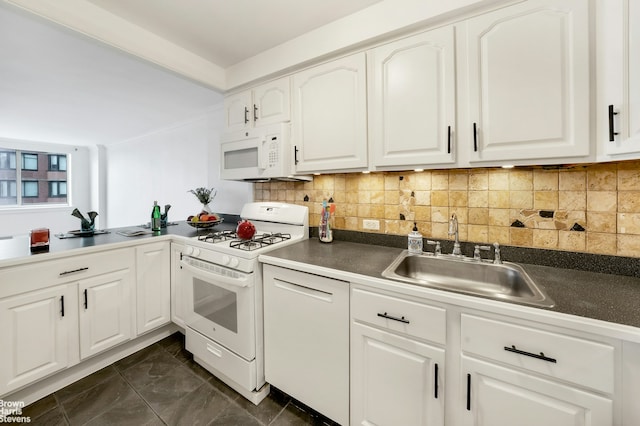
column 415, row 241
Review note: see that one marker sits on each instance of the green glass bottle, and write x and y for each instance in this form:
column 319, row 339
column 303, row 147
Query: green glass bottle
column 156, row 217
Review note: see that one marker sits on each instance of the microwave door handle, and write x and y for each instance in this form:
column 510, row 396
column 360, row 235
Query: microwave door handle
column 262, row 161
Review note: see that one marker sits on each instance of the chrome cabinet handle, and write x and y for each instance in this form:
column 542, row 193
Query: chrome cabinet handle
column 246, row 115
column 255, row 112
column 402, row 320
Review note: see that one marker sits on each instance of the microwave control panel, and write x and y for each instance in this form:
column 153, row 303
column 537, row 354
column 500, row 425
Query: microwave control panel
column 273, row 150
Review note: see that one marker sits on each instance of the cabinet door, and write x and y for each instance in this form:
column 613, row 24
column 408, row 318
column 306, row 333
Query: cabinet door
column 271, row 102
column 412, row 106
column 153, row 286
column 38, row 329
column 177, row 307
column 529, row 81
column 105, row 311
column 498, row 396
column 238, row 114
column 330, row 116
column 395, row 380
column 618, row 67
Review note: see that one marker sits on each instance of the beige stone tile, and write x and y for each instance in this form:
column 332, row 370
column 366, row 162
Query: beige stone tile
column 376, row 197
column 572, row 180
column 500, row 234
column 479, row 180
column 375, row 182
column 629, row 201
column 478, row 233
column 463, row 232
column 440, row 214
column 521, row 237
column 340, row 197
column 338, row 222
column 572, row 200
column 545, row 180
column 629, row 176
column 391, row 182
column 458, row 180
column 392, row 212
column 440, row 181
column 352, row 223
column 545, row 200
column 601, row 222
column 377, row 211
column 499, row 217
column 478, row 198
column 602, row 178
column 422, row 181
column 458, row 199
column 352, row 182
column 520, row 180
column 290, row 195
column 545, row 238
column 521, row 199
column 440, row 198
column 572, row 240
column 364, row 210
column 628, row 245
column 349, row 209
column 364, row 197
column 600, row 243
column 406, row 181
column 602, row 201
column 498, row 180
column 392, row 227
column 499, row 199
column 478, row 216
column 423, row 198
column 314, row 220
column 423, row 213
column 425, row 228
column 339, row 182
column 629, row 223
column 392, row 197
column 462, row 213
column 439, row 230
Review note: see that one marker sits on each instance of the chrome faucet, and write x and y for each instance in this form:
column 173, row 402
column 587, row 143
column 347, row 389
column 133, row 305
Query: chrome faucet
column 497, row 259
column 453, row 230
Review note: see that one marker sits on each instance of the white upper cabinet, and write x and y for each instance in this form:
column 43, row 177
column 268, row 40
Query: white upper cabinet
column 266, row 104
column 528, row 83
column 412, row 117
column 330, row 116
column 618, row 50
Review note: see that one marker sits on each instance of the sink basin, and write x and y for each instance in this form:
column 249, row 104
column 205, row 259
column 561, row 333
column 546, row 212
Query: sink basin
column 506, row 281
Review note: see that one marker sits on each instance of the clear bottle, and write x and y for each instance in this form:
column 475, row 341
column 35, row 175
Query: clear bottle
column 156, row 221
column 415, row 241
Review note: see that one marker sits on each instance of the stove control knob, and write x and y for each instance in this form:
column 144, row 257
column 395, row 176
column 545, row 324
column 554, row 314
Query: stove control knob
column 188, row 250
column 234, row 262
column 196, row 251
column 225, row 260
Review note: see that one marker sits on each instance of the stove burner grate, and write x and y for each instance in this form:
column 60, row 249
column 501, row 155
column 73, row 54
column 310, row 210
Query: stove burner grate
column 217, row 237
column 259, row 241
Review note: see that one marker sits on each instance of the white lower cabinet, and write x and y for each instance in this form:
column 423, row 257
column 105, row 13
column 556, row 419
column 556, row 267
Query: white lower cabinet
column 153, row 286
column 500, row 396
column 177, row 306
column 306, row 339
column 395, row 380
column 105, row 311
column 38, row 334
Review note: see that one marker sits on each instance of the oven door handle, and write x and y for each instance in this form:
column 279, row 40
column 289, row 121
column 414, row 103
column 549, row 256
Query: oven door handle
column 232, row 282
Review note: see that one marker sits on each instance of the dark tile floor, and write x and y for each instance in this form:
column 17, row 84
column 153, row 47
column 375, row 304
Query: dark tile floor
column 162, row 385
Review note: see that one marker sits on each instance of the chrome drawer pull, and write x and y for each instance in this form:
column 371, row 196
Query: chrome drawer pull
column 532, row 355
column 394, row 318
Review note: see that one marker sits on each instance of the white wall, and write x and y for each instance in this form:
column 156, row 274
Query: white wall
column 163, row 166
column 20, row 220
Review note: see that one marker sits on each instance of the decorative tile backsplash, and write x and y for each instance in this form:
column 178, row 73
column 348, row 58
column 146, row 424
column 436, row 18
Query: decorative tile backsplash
column 588, row 208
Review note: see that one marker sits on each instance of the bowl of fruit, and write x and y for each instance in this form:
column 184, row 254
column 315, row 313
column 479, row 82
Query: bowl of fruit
column 204, row 220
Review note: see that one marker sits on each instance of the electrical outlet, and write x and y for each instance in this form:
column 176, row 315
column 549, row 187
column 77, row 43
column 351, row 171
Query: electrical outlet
column 373, row 225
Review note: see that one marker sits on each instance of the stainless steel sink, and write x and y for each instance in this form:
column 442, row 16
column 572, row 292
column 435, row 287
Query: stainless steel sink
column 506, row 281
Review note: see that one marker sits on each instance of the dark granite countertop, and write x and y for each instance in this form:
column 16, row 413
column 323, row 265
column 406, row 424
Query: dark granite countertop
column 606, row 297
column 15, row 250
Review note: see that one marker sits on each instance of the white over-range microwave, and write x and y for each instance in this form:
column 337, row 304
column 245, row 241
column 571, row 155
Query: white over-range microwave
column 258, row 154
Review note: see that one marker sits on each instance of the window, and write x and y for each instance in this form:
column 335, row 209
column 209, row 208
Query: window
column 30, row 162
column 8, row 160
column 57, row 162
column 29, row 178
column 57, row 189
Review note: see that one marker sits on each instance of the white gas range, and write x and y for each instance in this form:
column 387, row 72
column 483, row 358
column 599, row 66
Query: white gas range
column 223, row 294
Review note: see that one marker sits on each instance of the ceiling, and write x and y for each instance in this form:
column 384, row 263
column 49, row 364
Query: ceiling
column 57, row 85
column 226, row 32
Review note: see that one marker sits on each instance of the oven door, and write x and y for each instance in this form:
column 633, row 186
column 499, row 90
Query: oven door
column 220, row 304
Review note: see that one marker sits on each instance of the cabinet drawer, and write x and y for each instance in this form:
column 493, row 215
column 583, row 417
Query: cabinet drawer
column 564, row 357
column 34, row 276
column 404, row 316
column 218, row 358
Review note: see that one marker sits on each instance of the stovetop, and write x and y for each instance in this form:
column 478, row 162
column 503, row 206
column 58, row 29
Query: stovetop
column 230, row 239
